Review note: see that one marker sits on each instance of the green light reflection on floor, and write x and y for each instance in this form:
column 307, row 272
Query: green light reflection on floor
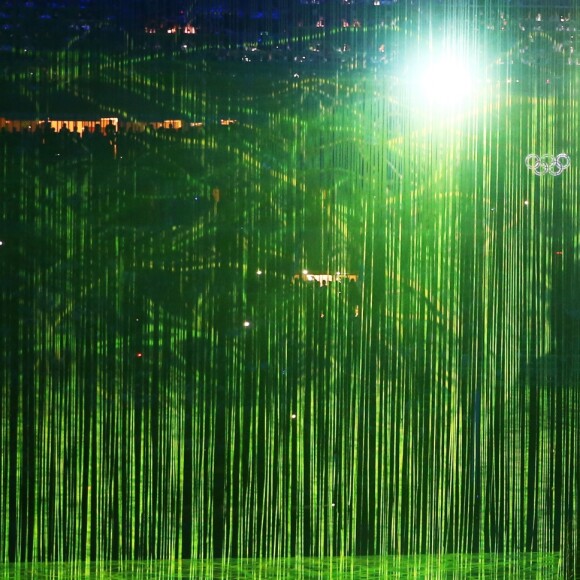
column 528, row 566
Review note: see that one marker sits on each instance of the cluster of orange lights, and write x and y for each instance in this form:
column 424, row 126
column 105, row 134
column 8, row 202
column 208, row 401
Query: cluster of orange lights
column 324, row 279
column 321, row 23
column 92, row 125
column 172, row 29
column 101, row 125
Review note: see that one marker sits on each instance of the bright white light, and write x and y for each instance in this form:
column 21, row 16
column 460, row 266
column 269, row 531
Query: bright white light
column 447, row 80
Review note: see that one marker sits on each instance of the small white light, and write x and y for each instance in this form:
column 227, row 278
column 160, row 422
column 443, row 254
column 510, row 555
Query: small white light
column 293, row 416
column 259, row 272
column 305, row 272
column 246, row 323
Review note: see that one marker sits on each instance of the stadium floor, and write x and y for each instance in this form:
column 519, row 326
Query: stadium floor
column 528, row 566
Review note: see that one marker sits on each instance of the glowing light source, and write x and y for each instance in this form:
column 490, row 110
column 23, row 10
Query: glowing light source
column 444, row 80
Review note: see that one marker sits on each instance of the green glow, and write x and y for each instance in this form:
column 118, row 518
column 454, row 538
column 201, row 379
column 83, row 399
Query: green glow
column 430, row 405
column 522, row 565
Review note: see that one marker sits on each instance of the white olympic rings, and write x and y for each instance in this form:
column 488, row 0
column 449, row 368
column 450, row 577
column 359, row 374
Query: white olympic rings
column 548, row 164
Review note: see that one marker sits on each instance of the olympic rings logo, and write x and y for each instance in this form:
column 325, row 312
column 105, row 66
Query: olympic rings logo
column 548, row 164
